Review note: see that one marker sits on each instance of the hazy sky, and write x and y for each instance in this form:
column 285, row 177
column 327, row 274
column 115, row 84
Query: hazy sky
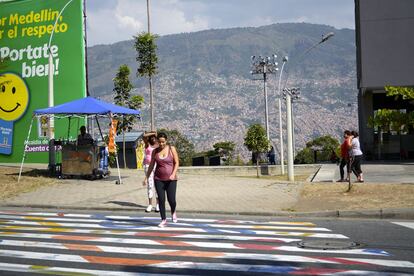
column 109, row 21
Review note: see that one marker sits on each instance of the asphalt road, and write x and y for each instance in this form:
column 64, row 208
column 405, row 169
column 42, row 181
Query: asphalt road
column 105, row 243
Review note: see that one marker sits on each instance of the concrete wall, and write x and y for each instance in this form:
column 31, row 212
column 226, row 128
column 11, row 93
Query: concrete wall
column 384, row 49
column 385, row 42
column 365, row 111
column 247, row 170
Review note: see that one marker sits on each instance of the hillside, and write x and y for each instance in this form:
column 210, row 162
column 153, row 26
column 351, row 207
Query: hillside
column 204, row 88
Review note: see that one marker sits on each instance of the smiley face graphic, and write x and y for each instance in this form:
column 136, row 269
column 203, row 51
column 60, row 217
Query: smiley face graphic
column 14, row 97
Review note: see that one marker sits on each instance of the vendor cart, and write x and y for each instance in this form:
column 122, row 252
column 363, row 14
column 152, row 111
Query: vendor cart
column 90, row 161
column 83, row 160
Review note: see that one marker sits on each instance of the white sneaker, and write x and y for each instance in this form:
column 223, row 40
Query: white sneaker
column 174, row 217
column 149, row 209
column 157, row 208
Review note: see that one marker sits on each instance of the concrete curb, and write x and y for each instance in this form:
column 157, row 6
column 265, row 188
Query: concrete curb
column 397, row 213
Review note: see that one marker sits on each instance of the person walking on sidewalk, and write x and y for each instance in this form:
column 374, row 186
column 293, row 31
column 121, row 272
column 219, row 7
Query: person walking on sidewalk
column 344, row 156
column 165, row 158
column 150, row 140
column 356, row 154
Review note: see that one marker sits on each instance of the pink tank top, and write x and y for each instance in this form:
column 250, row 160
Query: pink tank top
column 165, row 166
column 148, row 154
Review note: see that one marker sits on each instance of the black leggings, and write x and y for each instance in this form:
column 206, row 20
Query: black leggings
column 356, row 165
column 169, row 186
column 344, row 163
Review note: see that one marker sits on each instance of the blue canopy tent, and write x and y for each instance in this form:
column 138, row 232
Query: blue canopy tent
column 88, row 106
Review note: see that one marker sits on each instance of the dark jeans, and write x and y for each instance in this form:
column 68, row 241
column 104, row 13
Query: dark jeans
column 170, row 187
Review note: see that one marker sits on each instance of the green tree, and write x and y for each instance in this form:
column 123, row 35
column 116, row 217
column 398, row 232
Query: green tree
column 147, row 62
column 305, row 156
column 399, row 120
column 382, row 122
column 324, row 146
column 225, row 149
column 136, row 102
column 256, row 142
column 326, row 143
column 385, row 120
column 238, row 161
column 185, row 148
column 122, row 97
column 406, row 93
column 381, row 119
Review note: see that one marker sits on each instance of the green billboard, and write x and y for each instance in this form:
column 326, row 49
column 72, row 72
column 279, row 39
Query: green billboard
column 30, row 31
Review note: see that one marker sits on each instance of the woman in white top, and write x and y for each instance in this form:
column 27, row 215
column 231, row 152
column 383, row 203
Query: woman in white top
column 356, row 154
column 150, row 141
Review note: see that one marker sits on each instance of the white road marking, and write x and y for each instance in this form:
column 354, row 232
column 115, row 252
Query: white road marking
column 405, row 224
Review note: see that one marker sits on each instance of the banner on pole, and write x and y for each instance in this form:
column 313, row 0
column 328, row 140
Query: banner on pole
column 112, row 135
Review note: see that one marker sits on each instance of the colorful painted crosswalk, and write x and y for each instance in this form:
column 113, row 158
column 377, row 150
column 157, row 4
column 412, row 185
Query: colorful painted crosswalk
column 99, row 244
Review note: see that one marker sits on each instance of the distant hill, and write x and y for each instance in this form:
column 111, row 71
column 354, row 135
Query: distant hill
column 205, row 90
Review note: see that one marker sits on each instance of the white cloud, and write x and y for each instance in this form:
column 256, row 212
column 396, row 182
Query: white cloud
column 170, row 20
column 114, row 23
column 129, row 17
column 110, row 21
column 128, row 22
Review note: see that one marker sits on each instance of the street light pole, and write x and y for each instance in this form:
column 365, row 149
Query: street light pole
column 325, row 37
column 282, row 161
column 289, row 107
column 266, row 105
column 150, row 77
column 264, row 65
column 291, row 176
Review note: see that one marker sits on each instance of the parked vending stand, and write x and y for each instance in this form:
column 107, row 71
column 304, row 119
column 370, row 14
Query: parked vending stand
column 84, row 160
column 90, row 161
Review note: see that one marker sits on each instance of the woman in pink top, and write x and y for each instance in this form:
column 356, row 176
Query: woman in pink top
column 150, row 141
column 165, row 158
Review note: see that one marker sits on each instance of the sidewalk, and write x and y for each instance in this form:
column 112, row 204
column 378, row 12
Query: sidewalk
column 373, row 173
column 194, row 193
column 197, row 193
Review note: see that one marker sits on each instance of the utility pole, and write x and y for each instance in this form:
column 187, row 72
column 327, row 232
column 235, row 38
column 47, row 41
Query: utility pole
column 291, row 175
column 264, row 65
column 294, row 99
column 150, row 77
column 282, row 160
column 289, row 93
column 148, row 16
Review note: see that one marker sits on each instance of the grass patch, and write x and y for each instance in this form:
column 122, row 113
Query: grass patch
column 333, row 196
column 30, row 180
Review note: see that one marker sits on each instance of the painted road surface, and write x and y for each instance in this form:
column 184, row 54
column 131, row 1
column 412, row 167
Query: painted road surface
column 101, row 244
